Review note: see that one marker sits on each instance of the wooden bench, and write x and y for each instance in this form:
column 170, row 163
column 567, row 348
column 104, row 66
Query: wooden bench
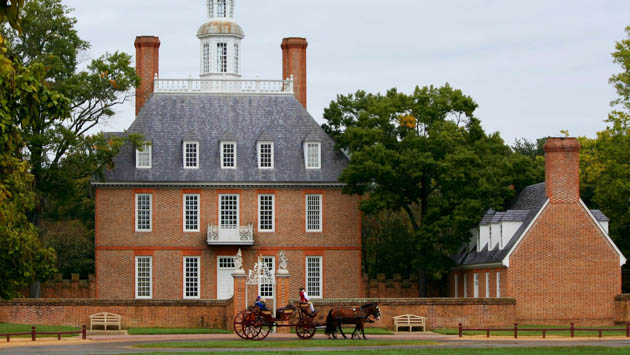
column 105, row 319
column 410, row 321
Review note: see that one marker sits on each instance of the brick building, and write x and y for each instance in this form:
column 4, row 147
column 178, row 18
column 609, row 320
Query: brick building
column 549, row 251
column 229, row 164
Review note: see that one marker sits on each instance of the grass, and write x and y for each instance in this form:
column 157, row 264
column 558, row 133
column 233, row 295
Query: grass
column 282, row 344
column 564, row 333
column 157, row 331
column 22, row 328
column 462, row 351
column 348, row 331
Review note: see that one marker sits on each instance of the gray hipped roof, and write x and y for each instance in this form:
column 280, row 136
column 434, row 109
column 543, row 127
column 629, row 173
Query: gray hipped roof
column 168, row 120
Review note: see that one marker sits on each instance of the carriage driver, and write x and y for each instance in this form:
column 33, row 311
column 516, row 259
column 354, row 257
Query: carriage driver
column 305, row 299
column 261, row 304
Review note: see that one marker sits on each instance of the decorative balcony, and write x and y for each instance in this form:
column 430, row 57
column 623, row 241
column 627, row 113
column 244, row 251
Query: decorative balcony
column 223, row 86
column 241, row 235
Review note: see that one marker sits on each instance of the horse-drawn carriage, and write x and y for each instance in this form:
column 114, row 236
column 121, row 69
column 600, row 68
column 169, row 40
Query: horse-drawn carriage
column 255, row 324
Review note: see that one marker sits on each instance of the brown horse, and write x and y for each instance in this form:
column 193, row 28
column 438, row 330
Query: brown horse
column 338, row 316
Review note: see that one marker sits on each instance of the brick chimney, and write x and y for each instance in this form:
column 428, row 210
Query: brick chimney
column 294, row 63
column 147, row 65
column 562, row 170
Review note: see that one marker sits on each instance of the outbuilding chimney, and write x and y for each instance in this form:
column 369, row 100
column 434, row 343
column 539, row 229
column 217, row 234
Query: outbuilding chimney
column 147, row 66
column 562, row 170
column 294, row 63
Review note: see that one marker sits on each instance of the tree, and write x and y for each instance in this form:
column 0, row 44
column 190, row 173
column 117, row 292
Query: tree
column 23, row 92
column 427, row 155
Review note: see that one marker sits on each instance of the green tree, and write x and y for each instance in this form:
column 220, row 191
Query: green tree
column 427, row 155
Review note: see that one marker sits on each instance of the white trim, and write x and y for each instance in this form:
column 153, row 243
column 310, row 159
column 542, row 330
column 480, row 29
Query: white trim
column 622, row 258
column 321, row 210
column 196, row 155
column 147, row 149
column 150, row 214
column 273, row 214
column 498, row 277
column 219, row 268
column 475, row 285
column 319, row 155
column 321, row 272
column 456, row 285
column 487, row 285
column 198, row 213
column 198, row 278
column 150, row 277
column 260, row 156
column 238, row 209
column 220, row 184
column 465, row 285
column 222, row 160
column 273, row 273
column 506, row 259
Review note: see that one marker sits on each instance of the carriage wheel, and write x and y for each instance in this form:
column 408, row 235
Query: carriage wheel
column 238, row 324
column 251, row 326
column 265, row 328
column 305, row 329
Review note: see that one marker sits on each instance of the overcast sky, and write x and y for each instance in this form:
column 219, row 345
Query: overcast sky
column 534, row 67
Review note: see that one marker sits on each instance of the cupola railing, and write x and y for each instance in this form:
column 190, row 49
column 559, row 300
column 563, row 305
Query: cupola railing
column 223, row 86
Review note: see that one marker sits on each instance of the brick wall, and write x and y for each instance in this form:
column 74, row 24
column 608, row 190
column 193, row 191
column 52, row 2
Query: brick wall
column 191, row 314
column 622, row 308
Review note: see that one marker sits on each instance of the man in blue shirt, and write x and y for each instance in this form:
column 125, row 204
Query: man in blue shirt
column 261, row 304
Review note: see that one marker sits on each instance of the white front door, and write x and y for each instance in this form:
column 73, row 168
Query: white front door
column 225, row 283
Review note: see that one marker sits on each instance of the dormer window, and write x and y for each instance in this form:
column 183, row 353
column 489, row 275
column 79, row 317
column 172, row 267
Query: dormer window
column 228, row 155
column 265, row 155
column 312, row 155
column 191, row 155
column 143, row 158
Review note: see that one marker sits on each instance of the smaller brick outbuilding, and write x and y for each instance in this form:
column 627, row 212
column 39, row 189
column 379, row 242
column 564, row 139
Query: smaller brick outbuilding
column 548, row 251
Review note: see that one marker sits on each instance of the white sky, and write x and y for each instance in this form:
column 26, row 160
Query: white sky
column 534, row 67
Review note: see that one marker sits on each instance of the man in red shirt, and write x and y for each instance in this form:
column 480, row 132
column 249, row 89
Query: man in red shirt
column 305, row 299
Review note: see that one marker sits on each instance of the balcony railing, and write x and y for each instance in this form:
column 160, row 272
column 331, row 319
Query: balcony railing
column 241, row 235
column 223, row 86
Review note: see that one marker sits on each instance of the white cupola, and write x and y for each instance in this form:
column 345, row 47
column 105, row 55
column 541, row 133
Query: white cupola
column 220, row 38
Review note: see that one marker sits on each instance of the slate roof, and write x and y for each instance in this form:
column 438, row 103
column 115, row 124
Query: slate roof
column 526, row 206
column 168, row 119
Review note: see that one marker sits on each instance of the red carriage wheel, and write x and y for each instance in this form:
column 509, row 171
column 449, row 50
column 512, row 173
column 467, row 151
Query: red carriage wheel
column 305, row 329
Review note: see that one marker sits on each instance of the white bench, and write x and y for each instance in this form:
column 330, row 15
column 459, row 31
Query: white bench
column 105, row 319
column 410, row 321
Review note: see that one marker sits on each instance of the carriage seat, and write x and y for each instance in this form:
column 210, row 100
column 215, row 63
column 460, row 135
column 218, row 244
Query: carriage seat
column 285, row 311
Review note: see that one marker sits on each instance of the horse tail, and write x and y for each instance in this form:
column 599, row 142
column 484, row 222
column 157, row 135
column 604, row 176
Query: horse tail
column 330, row 327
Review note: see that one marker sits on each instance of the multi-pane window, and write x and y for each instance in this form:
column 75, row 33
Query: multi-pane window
column 191, row 213
column 191, row 277
column 265, row 287
column 143, row 158
column 236, row 58
column 228, row 155
column 313, row 213
column 191, row 155
column 314, row 276
column 266, row 213
column 222, row 57
column 265, row 155
column 221, row 8
column 206, row 57
column 312, row 155
column 143, row 212
column 229, row 211
column 498, row 284
column 143, row 277
column 476, row 285
column 226, row 262
column 210, row 8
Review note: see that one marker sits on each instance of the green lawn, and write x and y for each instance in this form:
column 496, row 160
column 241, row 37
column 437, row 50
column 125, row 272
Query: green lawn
column 21, row 328
column 283, row 344
column 578, row 333
column 154, row 331
column 464, row 351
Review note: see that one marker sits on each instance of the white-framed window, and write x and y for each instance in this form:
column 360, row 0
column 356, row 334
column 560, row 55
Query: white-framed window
column 313, row 213
column 456, row 285
column 265, row 155
column 265, row 288
column 191, row 213
column 228, row 211
column 266, row 213
column 222, row 56
column 228, row 155
column 191, row 277
column 465, row 285
column 143, row 158
column 498, row 284
column 314, row 276
column 221, row 8
column 144, row 280
column 487, row 285
column 210, row 8
column 191, row 155
column 236, row 58
column 476, row 285
column 312, row 155
column 143, row 212
column 206, row 57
